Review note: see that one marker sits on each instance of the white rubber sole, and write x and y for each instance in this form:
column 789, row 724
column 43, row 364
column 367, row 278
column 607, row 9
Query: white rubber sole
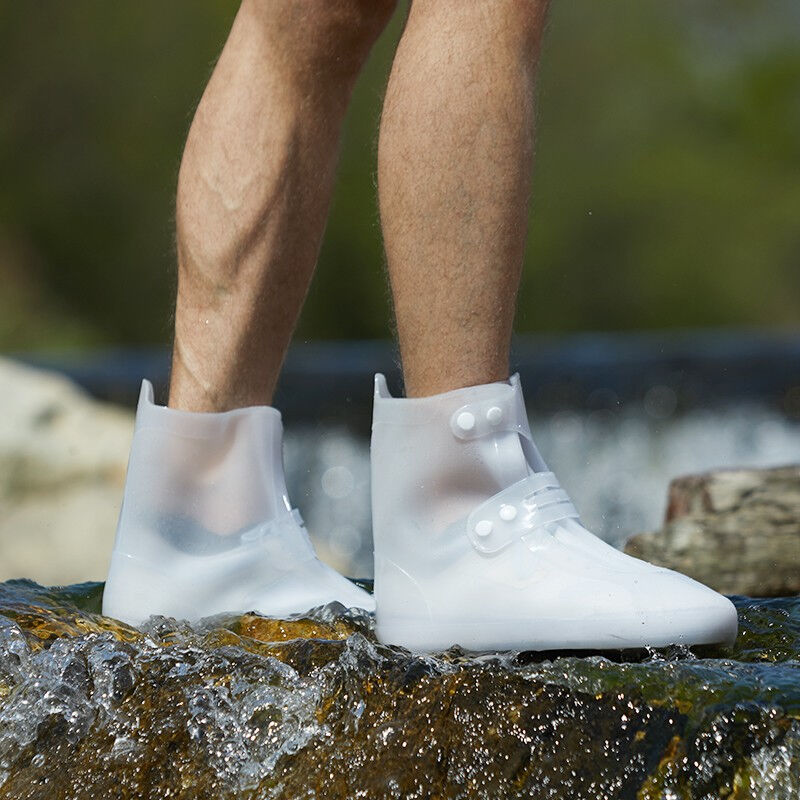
column 686, row 627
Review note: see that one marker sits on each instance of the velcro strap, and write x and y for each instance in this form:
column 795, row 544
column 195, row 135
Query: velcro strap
column 505, row 412
column 521, row 509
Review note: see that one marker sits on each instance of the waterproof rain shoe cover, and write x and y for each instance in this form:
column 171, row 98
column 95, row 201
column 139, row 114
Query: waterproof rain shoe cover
column 206, row 525
column 477, row 544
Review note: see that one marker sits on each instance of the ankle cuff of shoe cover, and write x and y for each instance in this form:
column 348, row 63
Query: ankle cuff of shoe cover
column 473, row 412
column 420, row 410
column 196, row 424
column 500, row 412
column 218, row 473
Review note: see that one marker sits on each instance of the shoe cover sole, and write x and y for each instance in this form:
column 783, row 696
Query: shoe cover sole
column 136, row 590
column 683, row 627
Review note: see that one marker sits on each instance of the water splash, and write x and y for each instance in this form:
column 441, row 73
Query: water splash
column 313, row 707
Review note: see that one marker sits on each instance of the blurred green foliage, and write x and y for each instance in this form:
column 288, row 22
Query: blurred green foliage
column 667, row 186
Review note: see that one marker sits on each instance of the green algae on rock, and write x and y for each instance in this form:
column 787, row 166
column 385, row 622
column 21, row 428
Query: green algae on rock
column 313, row 707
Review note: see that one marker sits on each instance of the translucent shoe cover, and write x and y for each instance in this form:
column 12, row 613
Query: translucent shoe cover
column 206, row 525
column 477, row 544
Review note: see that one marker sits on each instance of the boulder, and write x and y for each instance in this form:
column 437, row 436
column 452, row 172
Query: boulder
column 736, row 530
column 63, row 457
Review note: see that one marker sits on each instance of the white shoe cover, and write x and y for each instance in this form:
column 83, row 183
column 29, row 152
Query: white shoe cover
column 476, row 544
column 206, row 525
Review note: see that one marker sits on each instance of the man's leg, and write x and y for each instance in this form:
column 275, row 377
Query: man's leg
column 254, row 189
column 453, row 165
column 206, row 524
column 475, row 541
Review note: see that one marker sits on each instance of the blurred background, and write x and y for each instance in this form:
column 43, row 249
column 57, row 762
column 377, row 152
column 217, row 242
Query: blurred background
column 658, row 316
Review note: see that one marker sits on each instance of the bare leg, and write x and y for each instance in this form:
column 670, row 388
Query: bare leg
column 462, row 551
column 254, row 190
column 453, row 170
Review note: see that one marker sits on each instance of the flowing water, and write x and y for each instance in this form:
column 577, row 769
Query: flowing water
column 314, row 707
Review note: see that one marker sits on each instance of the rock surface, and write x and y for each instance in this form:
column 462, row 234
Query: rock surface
column 62, row 466
column 314, row 707
column 737, row 531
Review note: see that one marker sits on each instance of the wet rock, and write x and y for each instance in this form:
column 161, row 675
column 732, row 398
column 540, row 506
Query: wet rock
column 62, row 465
column 737, row 531
column 315, row 707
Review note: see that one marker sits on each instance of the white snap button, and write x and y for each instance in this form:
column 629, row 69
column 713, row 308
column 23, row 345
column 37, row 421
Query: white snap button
column 508, row 513
column 466, row 421
column 484, row 527
column 495, row 415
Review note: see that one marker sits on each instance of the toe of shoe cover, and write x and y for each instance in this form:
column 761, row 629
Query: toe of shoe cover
column 319, row 585
column 680, row 608
column 683, row 611
column 652, row 609
column 561, row 598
